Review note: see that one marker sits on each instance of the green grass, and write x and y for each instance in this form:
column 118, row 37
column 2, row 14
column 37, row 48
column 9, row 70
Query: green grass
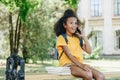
column 2, row 73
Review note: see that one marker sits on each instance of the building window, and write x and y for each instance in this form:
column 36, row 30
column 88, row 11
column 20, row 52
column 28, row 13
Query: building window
column 117, row 41
column 116, row 7
column 97, row 39
column 96, row 8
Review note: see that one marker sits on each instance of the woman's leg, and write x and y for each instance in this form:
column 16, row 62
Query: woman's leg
column 97, row 75
column 78, row 72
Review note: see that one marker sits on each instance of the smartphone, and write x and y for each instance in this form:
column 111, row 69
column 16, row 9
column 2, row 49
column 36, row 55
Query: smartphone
column 78, row 30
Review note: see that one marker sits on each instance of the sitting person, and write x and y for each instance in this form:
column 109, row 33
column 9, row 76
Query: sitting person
column 72, row 51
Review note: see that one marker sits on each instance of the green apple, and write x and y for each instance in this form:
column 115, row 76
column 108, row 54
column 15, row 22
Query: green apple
column 55, row 63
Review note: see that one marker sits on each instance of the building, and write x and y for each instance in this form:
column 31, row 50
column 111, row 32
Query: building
column 102, row 17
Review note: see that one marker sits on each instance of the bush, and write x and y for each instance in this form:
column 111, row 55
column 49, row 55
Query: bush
column 95, row 54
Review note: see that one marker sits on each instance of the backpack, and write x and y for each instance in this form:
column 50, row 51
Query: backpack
column 56, row 54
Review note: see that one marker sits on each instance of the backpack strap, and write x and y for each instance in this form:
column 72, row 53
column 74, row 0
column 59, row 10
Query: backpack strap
column 81, row 42
column 66, row 40
column 65, row 37
column 56, row 54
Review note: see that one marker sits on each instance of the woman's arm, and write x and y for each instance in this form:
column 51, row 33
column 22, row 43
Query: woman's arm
column 86, row 47
column 74, row 60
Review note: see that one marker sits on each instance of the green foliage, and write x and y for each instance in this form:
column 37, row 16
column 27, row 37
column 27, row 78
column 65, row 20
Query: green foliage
column 9, row 3
column 22, row 6
column 36, row 40
column 95, row 54
column 72, row 3
column 38, row 18
column 38, row 36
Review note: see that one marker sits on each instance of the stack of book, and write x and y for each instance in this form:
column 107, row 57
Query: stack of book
column 58, row 70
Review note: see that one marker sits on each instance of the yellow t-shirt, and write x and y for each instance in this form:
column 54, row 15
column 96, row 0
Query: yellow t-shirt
column 74, row 47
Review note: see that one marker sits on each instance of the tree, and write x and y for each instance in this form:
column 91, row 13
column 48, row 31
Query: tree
column 39, row 38
column 19, row 8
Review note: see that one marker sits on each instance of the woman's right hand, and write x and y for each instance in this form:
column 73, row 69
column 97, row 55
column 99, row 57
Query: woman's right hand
column 81, row 34
column 86, row 67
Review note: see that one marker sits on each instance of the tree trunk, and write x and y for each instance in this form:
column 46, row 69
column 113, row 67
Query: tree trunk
column 14, row 34
column 11, row 33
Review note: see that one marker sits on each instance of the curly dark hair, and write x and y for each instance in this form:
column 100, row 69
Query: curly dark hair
column 58, row 27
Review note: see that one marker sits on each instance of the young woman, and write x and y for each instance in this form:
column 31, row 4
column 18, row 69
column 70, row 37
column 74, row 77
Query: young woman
column 72, row 51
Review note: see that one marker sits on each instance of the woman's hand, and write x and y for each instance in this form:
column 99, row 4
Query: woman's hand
column 86, row 46
column 82, row 34
column 86, row 67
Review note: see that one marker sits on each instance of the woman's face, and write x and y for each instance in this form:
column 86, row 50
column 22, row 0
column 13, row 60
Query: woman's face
column 71, row 25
